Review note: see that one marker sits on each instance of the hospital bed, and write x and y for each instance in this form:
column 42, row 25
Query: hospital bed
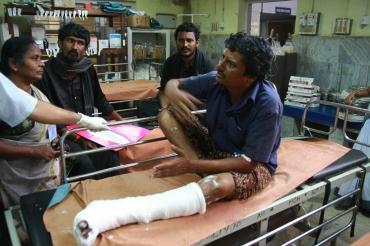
column 124, row 94
column 130, row 90
column 228, row 222
column 363, row 241
column 127, row 96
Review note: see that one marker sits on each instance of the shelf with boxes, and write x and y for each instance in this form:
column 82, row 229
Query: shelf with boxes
column 138, row 21
column 149, row 47
column 108, row 45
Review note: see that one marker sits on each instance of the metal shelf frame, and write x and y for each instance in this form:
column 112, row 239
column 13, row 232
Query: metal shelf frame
column 131, row 31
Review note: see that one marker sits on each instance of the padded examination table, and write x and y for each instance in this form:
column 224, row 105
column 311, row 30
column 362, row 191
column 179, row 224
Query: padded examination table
column 298, row 161
column 363, row 241
column 130, row 90
column 145, row 151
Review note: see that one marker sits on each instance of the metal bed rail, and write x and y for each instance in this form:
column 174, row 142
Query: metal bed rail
column 64, row 155
column 110, row 64
column 12, row 224
column 338, row 106
column 306, row 192
column 365, row 168
column 262, row 217
column 131, row 105
column 110, row 72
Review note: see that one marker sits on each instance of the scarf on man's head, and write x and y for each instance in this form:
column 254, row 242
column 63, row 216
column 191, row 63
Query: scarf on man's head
column 77, row 67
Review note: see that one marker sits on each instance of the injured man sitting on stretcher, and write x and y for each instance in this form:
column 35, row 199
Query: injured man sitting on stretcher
column 235, row 152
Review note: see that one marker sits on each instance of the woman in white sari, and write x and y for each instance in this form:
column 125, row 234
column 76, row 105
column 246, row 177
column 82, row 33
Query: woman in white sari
column 28, row 162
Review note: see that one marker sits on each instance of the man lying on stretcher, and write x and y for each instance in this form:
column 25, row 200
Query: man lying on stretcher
column 237, row 146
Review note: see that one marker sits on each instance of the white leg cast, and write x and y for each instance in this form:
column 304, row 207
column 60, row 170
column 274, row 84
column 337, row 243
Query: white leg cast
column 109, row 214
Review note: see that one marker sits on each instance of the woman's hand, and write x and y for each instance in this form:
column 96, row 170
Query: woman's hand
column 176, row 166
column 45, row 152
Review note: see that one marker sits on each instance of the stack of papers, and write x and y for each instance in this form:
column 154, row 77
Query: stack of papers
column 301, row 90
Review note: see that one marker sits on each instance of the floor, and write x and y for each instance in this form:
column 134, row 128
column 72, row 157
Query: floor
column 362, row 222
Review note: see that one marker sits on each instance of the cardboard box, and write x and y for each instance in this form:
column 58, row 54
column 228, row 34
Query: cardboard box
column 157, row 52
column 140, row 52
column 138, row 21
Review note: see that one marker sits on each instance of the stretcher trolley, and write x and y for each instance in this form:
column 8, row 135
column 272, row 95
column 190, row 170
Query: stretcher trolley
column 308, row 168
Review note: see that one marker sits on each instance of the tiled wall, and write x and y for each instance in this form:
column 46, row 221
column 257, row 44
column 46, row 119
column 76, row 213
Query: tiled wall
column 213, row 45
column 336, row 63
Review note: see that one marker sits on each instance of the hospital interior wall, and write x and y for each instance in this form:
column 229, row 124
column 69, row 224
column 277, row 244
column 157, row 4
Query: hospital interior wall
column 331, row 9
column 2, row 2
column 152, row 8
column 228, row 16
column 337, row 62
column 224, row 17
column 218, row 19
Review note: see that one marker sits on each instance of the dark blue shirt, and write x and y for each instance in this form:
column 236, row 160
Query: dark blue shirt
column 250, row 126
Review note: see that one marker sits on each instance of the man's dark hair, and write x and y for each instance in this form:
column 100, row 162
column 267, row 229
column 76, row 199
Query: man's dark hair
column 187, row 27
column 75, row 30
column 257, row 54
column 14, row 48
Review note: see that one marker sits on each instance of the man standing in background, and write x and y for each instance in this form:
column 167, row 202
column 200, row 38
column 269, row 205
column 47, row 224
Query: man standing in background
column 188, row 61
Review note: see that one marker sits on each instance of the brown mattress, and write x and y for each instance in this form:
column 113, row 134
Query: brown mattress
column 298, row 161
column 145, row 151
column 363, row 241
column 130, row 90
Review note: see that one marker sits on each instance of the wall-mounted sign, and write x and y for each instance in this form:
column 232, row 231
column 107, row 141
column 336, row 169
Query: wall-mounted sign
column 282, row 10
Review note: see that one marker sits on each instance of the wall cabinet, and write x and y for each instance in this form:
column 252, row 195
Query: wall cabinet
column 147, row 46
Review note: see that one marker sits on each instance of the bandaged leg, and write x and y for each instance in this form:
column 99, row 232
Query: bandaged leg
column 100, row 216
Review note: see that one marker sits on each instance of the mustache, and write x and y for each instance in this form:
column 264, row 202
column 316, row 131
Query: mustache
column 220, row 74
column 72, row 52
column 185, row 49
